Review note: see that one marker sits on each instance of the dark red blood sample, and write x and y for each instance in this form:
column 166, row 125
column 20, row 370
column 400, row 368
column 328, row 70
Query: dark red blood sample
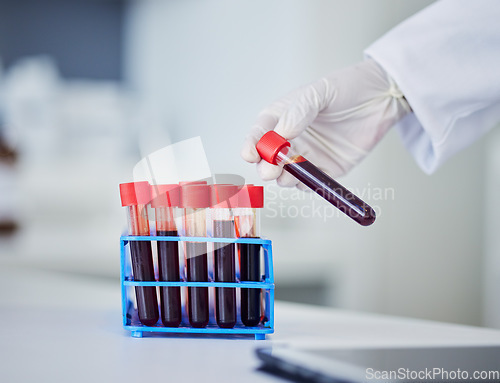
column 225, row 297
column 331, row 190
column 250, row 272
column 143, row 270
column 168, row 268
column 197, row 271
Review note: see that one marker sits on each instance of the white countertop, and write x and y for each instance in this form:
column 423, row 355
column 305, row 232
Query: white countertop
column 59, row 327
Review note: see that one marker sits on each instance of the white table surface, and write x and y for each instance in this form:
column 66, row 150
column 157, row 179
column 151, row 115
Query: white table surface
column 57, row 327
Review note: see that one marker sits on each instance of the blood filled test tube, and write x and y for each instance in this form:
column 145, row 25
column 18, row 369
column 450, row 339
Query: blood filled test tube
column 224, row 255
column 278, row 151
column 165, row 202
column 248, row 201
column 136, row 197
column 195, row 199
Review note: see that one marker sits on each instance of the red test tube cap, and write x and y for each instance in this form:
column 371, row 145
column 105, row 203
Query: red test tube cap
column 270, row 145
column 249, row 196
column 166, row 195
column 135, row 193
column 195, row 196
column 221, row 195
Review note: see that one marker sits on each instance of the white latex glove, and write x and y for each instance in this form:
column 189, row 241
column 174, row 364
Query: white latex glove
column 333, row 122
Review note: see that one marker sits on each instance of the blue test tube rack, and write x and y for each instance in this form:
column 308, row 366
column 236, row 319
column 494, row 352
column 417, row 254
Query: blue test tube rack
column 129, row 312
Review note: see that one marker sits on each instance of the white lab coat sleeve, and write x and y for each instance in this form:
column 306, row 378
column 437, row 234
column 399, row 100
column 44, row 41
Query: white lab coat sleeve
column 446, row 61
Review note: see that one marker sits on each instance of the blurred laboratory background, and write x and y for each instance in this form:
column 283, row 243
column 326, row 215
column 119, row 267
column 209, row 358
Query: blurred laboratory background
column 88, row 87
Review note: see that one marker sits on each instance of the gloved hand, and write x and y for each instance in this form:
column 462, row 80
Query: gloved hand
column 333, row 122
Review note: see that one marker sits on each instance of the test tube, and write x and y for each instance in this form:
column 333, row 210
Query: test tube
column 195, row 199
column 224, row 255
column 165, row 202
column 278, row 151
column 136, row 197
column 248, row 201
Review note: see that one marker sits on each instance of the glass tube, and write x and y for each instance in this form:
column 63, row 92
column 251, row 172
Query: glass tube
column 165, row 204
column 195, row 199
column 276, row 150
column 247, row 223
column 224, row 254
column 140, row 251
